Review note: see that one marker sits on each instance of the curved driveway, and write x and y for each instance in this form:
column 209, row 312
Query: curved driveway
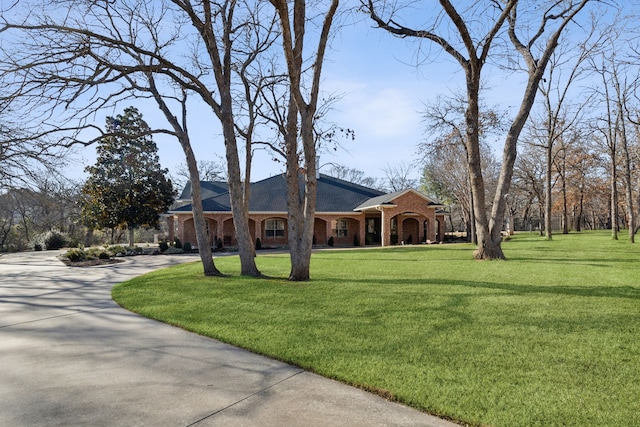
column 70, row 356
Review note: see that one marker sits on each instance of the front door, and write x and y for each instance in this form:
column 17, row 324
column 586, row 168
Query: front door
column 374, row 225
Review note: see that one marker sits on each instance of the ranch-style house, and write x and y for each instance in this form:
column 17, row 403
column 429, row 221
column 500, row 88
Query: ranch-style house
column 348, row 213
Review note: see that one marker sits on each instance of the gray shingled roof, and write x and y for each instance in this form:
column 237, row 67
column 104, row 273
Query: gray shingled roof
column 270, row 195
column 207, row 189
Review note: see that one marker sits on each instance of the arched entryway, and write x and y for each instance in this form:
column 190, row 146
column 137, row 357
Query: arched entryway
column 189, row 231
column 410, row 231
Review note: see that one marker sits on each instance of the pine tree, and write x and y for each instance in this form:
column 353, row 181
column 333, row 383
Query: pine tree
column 126, row 188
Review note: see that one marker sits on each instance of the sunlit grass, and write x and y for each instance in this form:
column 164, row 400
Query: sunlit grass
column 549, row 337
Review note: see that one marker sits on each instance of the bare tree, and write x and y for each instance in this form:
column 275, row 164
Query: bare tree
column 445, row 117
column 89, row 56
column 209, row 170
column 468, row 35
column 355, row 176
column 399, row 176
column 561, row 112
column 25, row 152
column 614, row 92
column 528, row 176
column 300, row 124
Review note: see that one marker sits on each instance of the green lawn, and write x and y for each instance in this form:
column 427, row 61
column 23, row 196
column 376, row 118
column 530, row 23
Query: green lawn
column 549, row 337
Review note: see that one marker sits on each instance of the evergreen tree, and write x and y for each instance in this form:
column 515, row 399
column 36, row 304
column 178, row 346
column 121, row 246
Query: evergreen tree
column 126, row 188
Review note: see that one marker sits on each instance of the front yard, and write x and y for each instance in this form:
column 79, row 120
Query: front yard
column 549, row 337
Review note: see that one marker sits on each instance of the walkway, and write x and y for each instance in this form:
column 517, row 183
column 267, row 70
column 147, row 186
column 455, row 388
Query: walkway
column 70, row 356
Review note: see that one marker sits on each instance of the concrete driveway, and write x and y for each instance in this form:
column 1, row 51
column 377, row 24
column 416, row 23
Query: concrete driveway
column 70, row 356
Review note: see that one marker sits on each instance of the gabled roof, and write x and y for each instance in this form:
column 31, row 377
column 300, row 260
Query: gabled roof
column 388, row 200
column 270, row 195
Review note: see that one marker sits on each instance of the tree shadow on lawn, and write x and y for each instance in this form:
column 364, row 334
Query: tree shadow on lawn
column 628, row 292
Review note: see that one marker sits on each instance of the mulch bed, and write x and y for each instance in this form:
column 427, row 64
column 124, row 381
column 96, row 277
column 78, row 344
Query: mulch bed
column 91, row 263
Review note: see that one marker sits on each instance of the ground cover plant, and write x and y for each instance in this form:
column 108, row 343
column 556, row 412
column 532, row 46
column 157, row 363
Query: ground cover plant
column 549, row 337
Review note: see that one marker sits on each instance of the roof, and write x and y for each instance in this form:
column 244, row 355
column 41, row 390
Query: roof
column 387, row 200
column 333, row 195
column 207, row 189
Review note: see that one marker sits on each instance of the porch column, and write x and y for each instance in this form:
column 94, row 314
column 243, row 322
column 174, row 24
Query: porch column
column 258, row 229
column 171, row 227
column 219, row 229
column 441, row 229
column 385, row 228
column 363, row 230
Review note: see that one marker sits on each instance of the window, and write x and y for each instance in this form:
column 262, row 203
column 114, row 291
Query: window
column 341, row 228
column 274, row 228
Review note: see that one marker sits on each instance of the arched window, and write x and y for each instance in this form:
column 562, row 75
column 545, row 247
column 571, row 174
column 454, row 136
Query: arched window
column 274, row 228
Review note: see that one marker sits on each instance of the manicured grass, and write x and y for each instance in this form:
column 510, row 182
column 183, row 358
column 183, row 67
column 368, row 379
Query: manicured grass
column 550, row 337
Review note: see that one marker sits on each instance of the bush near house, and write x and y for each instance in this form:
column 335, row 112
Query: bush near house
column 50, row 240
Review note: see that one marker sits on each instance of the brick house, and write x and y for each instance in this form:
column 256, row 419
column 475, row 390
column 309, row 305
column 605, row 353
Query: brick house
column 349, row 213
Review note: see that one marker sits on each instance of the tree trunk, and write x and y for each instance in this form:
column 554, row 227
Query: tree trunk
column 303, row 239
column 131, row 237
column 631, row 220
column 614, row 197
column 547, row 191
column 301, row 205
column 487, row 248
column 578, row 222
column 300, row 201
column 565, row 215
column 88, row 237
column 473, row 237
column 239, row 206
column 204, row 248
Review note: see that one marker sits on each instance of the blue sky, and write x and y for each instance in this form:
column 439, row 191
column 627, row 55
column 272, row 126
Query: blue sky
column 382, row 96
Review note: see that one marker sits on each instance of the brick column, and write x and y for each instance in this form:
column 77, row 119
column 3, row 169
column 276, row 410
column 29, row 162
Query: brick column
column 258, row 229
column 385, row 232
column 171, row 227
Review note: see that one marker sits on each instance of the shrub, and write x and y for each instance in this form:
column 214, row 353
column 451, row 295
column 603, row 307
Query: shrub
column 187, row 247
column 410, row 240
column 174, row 250
column 163, row 245
column 74, row 243
column 116, row 249
column 75, row 255
column 97, row 253
column 53, row 240
column 177, row 243
column 356, row 240
column 37, row 247
column 394, row 239
column 330, row 242
column 258, row 244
